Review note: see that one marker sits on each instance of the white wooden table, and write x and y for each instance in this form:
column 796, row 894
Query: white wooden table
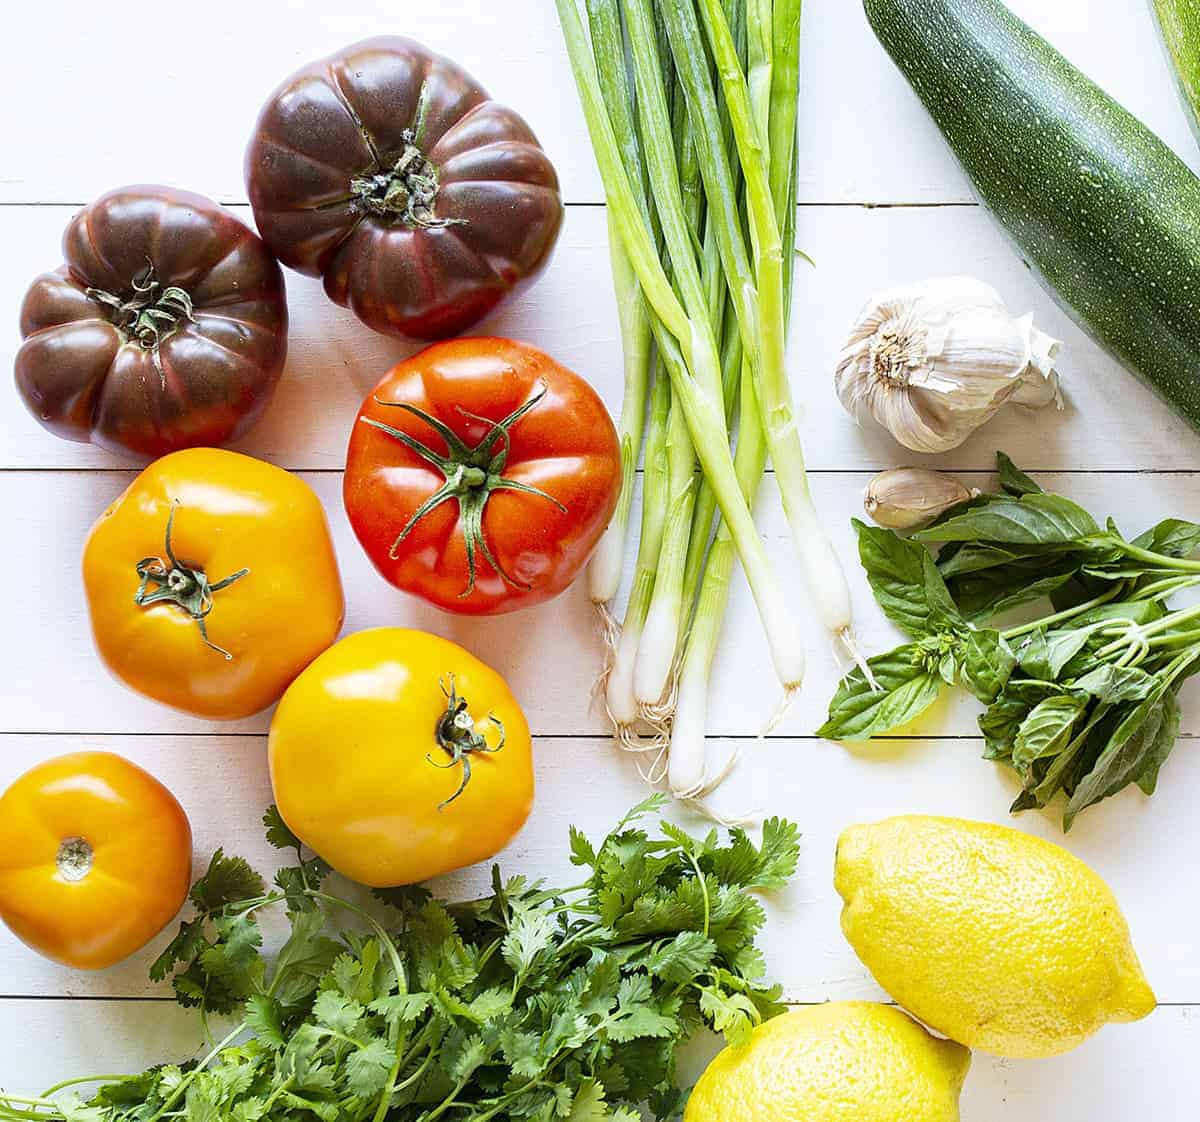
column 881, row 202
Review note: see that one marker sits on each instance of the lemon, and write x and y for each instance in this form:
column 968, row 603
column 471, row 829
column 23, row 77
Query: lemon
column 997, row 939
column 848, row 1061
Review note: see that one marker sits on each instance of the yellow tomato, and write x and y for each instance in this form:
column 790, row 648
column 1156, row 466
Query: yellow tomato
column 95, row 858
column 397, row 756
column 212, row 582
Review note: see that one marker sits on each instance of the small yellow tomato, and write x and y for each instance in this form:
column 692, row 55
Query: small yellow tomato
column 398, row 756
column 95, row 858
column 212, row 582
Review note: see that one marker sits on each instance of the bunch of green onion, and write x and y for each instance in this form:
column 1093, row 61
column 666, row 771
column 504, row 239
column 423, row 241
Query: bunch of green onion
column 691, row 106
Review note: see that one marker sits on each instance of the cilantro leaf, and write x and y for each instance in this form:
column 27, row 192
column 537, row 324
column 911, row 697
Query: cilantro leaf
column 265, row 1019
column 582, row 852
column 229, row 880
column 278, row 832
column 368, row 1068
column 682, row 958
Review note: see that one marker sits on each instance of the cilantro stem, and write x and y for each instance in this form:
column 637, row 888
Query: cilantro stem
column 81, row 1079
column 448, row 1102
column 415, row 1075
column 187, row 1080
column 14, row 1113
column 377, row 927
column 704, row 886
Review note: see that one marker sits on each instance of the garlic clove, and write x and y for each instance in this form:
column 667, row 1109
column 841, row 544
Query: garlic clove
column 908, row 498
column 1039, row 386
column 933, row 361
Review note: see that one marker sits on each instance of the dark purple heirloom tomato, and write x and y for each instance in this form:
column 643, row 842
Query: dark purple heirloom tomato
column 166, row 328
column 387, row 170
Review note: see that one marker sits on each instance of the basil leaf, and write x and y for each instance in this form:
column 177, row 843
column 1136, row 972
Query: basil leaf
column 1013, row 480
column 1037, row 519
column 1173, row 537
column 980, row 596
column 1132, row 749
column 907, row 689
column 1004, row 716
column 987, row 662
column 1044, row 653
column 1168, row 734
column 999, row 726
column 1115, row 684
column 1047, row 729
column 975, row 557
column 906, row 582
column 1139, row 611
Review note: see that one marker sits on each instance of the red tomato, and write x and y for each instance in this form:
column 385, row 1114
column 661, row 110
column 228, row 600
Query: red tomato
column 481, row 474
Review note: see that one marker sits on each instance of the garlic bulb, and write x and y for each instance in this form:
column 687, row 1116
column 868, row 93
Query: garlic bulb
column 932, row 361
column 907, row 498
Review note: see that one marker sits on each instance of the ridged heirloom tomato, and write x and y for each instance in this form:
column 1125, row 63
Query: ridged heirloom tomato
column 95, row 858
column 389, row 172
column 398, row 756
column 212, row 582
column 165, row 328
column 481, row 474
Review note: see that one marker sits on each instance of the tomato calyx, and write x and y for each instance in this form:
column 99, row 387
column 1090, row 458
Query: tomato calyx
column 472, row 475
column 458, row 737
column 180, row 583
column 406, row 192
column 74, row 859
column 150, row 315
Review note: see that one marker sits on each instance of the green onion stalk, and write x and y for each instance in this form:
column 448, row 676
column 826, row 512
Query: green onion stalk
column 607, row 39
column 604, row 572
column 618, row 691
column 758, row 288
column 723, row 312
column 683, row 331
column 608, row 562
column 656, row 657
column 772, row 63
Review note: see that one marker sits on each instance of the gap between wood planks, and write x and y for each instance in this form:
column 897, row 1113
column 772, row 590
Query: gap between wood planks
column 948, row 468
column 170, row 1000
column 536, row 736
column 242, row 204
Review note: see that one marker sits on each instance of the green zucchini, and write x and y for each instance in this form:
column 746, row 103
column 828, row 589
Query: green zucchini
column 1097, row 205
column 1179, row 22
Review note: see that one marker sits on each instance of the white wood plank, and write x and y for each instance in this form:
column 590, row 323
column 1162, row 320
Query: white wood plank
column 185, row 116
column 864, row 139
column 1111, row 422
column 223, row 785
column 1146, row 1069
column 552, row 659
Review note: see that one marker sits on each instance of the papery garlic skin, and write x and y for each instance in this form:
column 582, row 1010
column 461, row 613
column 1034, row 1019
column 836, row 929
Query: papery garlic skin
column 933, row 361
column 909, row 498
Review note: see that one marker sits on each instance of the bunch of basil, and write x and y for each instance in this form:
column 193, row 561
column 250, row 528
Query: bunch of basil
column 1081, row 700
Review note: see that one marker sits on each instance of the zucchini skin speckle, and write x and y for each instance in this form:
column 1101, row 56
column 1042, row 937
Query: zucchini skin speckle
column 1100, row 208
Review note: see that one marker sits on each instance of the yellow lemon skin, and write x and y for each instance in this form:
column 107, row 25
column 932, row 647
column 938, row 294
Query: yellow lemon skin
column 999, row 940
column 848, row 1061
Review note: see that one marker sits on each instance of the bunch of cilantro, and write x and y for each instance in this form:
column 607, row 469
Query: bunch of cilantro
column 1081, row 700
column 534, row 1003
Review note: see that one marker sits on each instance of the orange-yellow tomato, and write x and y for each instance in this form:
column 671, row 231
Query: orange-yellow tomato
column 95, row 858
column 212, row 582
column 397, row 756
